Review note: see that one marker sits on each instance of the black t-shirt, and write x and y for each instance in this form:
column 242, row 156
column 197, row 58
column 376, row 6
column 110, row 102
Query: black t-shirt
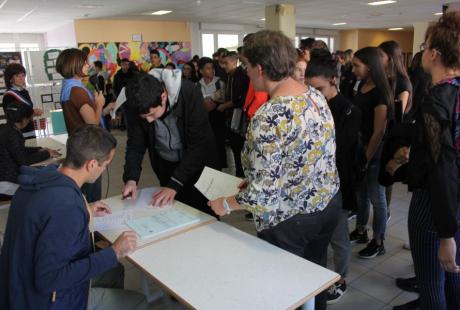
column 367, row 102
column 402, row 84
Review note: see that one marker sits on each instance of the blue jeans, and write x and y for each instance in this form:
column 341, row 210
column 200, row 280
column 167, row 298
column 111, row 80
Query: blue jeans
column 370, row 191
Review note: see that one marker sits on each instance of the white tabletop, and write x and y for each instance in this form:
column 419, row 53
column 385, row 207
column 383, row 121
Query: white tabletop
column 55, row 142
column 216, row 266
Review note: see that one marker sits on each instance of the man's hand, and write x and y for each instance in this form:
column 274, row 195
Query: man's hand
column 209, row 105
column 125, row 244
column 129, row 190
column 53, row 153
column 163, row 197
column 402, row 155
column 447, row 254
column 99, row 208
column 217, row 206
column 38, row 112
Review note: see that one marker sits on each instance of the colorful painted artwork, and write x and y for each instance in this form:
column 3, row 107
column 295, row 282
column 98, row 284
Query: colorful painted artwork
column 110, row 53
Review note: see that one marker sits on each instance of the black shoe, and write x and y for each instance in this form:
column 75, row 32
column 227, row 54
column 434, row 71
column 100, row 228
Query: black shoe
column 357, row 237
column 249, row 217
column 411, row 305
column 335, row 292
column 408, row 285
column 372, row 250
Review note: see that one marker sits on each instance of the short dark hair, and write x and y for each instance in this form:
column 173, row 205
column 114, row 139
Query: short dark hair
column 124, row 60
column 87, row 143
column 321, row 64
column 273, row 51
column 204, row 61
column 16, row 111
column 170, row 64
column 247, row 37
column 444, row 36
column 306, row 44
column 221, row 51
column 98, row 64
column 230, row 54
column 70, row 62
column 10, row 71
column 144, row 92
column 155, row 51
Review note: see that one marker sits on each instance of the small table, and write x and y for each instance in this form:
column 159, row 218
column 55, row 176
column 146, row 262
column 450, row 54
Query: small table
column 216, row 266
column 55, row 142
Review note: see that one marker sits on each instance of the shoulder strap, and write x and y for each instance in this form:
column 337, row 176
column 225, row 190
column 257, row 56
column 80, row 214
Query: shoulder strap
column 17, row 96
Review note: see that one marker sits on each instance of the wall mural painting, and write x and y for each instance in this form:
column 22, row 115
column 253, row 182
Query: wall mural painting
column 110, row 53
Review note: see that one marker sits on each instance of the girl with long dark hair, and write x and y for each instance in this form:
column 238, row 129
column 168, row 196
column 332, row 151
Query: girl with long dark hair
column 375, row 100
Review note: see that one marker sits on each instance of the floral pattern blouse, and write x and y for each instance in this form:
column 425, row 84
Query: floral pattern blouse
column 289, row 159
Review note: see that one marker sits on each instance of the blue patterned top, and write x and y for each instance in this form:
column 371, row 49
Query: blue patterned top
column 289, row 159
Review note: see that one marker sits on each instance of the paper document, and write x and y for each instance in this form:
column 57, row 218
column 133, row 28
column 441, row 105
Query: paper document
column 144, row 199
column 170, row 219
column 116, row 220
column 119, row 102
column 214, row 184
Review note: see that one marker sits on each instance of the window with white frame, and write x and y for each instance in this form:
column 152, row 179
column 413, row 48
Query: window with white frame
column 7, row 47
column 211, row 41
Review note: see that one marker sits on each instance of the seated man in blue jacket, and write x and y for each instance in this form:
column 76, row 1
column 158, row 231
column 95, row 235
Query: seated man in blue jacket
column 47, row 258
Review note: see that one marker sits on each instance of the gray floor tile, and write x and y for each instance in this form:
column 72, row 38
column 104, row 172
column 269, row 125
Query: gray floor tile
column 396, row 267
column 355, row 299
column 403, row 298
column 377, row 285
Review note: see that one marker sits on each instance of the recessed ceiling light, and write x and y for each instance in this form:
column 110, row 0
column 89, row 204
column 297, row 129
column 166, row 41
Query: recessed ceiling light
column 161, row 12
column 395, row 29
column 339, row 24
column 90, row 6
column 437, row 14
column 3, row 3
column 382, row 2
column 262, row 19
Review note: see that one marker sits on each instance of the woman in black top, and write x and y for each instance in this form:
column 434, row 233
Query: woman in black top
column 13, row 153
column 434, row 169
column 397, row 75
column 15, row 80
column 375, row 100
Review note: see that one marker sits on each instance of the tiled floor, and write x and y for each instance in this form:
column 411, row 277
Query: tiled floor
column 371, row 282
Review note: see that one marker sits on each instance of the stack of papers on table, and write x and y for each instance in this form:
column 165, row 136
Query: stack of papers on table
column 170, row 219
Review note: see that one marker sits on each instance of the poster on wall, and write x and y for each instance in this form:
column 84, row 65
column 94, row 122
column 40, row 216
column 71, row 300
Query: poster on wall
column 7, row 58
column 110, row 53
column 49, row 62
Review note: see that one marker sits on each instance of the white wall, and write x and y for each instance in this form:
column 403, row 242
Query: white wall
column 63, row 36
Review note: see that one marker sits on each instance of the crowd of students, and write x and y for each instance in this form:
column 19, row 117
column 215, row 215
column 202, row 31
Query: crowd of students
column 317, row 137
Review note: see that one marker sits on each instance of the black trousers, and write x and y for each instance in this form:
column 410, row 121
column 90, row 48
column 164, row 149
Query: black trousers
column 188, row 194
column 308, row 236
column 236, row 144
column 439, row 290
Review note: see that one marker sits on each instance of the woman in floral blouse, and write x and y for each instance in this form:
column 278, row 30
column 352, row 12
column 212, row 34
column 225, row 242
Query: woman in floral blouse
column 292, row 185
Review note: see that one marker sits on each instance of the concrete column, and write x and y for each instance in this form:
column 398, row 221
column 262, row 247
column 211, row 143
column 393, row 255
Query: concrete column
column 281, row 17
column 419, row 35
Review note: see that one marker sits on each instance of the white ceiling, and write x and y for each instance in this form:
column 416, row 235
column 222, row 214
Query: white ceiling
column 25, row 16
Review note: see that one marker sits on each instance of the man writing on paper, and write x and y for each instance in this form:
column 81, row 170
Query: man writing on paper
column 166, row 116
column 47, row 258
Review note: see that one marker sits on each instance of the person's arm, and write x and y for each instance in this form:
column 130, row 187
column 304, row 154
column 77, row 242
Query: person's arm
column 380, row 122
column 21, row 155
column 404, row 98
column 89, row 115
column 136, row 145
column 58, row 262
